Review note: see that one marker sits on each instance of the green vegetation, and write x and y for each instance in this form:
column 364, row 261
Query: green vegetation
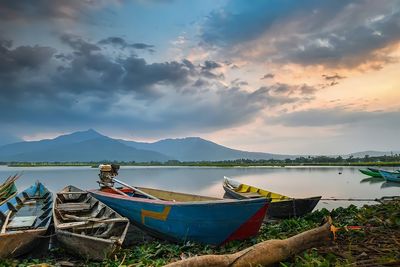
column 389, row 161
column 376, row 243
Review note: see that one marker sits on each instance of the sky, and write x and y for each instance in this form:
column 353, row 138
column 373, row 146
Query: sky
column 279, row 76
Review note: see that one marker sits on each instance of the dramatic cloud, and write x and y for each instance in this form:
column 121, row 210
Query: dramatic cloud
column 330, row 33
column 147, row 69
column 87, row 86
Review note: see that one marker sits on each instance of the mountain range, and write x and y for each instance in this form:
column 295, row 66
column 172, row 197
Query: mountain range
column 85, row 146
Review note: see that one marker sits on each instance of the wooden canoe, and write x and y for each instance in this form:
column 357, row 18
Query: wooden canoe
column 180, row 217
column 25, row 220
column 281, row 206
column 390, row 176
column 86, row 226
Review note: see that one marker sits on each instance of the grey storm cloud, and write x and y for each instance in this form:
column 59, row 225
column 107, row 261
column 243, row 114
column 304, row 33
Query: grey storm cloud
column 331, row 33
column 209, row 65
column 283, row 89
column 120, row 42
column 268, row 76
column 44, row 9
column 86, row 86
column 22, row 57
column 333, row 77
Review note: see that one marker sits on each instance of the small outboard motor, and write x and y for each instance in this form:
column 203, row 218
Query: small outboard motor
column 107, row 173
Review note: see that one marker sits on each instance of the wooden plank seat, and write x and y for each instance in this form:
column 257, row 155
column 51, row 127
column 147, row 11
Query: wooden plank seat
column 73, row 193
column 74, row 207
column 22, row 222
column 251, row 194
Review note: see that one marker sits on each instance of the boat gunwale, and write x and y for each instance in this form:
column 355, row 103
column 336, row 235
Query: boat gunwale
column 277, row 200
column 179, row 203
column 97, row 239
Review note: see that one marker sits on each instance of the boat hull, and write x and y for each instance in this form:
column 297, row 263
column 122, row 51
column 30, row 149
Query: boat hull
column 285, row 208
column 87, row 247
column 209, row 222
column 371, row 173
column 390, row 176
column 19, row 243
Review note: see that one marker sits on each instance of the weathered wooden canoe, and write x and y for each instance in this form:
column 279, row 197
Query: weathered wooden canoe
column 86, row 226
column 371, row 172
column 25, row 219
column 390, row 176
column 8, row 188
column 281, row 206
column 180, row 217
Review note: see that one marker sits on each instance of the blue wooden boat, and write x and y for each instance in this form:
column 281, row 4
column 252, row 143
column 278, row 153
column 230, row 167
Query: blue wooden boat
column 183, row 217
column 390, row 176
column 25, row 219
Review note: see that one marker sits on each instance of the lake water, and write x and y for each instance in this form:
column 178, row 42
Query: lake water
column 291, row 181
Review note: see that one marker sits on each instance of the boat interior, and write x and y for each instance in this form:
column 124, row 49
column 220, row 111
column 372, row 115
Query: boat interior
column 160, row 194
column 27, row 211
column 249, row 191
column 76, row 211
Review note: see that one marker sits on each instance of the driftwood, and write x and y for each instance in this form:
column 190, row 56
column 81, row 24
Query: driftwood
column 265, row 253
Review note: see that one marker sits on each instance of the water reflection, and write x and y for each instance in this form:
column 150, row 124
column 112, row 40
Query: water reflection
column 390, row 184
column 372, row 180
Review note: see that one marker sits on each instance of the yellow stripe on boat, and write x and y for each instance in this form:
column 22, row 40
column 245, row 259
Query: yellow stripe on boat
column 275, row 197
column 162, row 216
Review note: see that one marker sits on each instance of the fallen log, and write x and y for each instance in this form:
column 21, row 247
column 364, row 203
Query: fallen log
column 265, row 253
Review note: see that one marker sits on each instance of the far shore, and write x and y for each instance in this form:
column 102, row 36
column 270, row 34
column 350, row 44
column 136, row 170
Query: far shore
column 224, row 164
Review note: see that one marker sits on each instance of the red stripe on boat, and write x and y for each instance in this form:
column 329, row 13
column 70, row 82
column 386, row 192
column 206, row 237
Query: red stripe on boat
column 250, row 227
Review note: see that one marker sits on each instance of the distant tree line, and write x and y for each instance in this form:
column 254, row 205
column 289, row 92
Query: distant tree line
column 386, row 160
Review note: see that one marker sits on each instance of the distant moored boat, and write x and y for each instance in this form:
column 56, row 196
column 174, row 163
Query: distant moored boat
column 371, row 172
column 281, row 206
column 390, row 176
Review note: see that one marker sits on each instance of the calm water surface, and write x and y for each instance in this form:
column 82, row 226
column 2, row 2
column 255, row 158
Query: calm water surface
column 291, row 181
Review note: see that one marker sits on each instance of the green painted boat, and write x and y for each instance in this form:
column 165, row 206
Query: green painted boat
column 371, row 173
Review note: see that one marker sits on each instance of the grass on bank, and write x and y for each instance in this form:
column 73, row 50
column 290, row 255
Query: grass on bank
column 377, row 243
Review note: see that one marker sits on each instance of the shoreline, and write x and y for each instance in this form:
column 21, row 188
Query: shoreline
column 205, row 164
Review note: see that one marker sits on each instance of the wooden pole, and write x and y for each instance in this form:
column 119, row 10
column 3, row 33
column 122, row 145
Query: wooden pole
column 265, row 253
column 134, row 188
column 3, row 229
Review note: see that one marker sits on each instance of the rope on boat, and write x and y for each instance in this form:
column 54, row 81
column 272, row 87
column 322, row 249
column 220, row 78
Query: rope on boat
column 387, row 198
column 362, row 199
